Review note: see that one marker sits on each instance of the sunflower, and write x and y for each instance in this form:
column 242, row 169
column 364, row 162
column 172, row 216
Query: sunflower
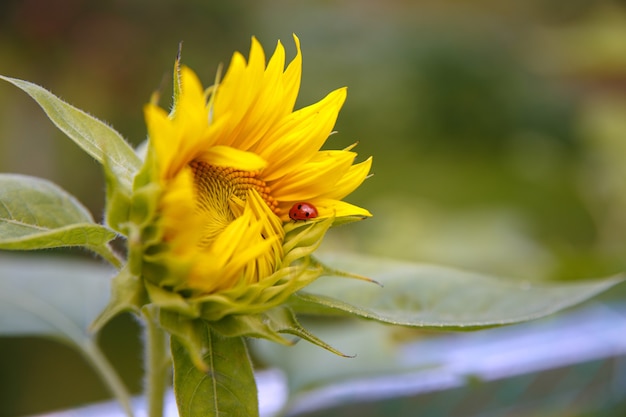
column 230, row 162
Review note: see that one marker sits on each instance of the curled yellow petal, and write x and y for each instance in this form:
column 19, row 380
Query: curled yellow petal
column 226, row 156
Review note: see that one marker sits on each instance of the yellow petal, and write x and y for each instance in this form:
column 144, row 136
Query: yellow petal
column 163, row 137
column 292, row 77
column 265, row 107
column 265, row 101
column 239, row 90
column 296, row 139
column 191, row 101
column 350, row 181
column 328, row 207
column 225, row 156
column 179, row 219
column 178, row 137
column 314, row 178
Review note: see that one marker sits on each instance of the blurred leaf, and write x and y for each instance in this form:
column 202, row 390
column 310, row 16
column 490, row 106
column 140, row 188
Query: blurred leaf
column 95, row 137
column 228, row 388
column 437, row 297
column 53, row 297
column 58, row 298
column 37, row 214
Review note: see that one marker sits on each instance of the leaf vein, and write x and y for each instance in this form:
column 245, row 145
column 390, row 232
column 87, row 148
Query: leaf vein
column 212, row 367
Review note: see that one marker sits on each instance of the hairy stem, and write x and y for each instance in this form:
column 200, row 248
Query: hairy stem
column 157, row 363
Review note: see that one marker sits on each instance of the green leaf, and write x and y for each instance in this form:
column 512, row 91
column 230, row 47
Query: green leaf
column 228, row 388
column 37, row 214
column 95, row 137
column 438, row 297
column 58, row 298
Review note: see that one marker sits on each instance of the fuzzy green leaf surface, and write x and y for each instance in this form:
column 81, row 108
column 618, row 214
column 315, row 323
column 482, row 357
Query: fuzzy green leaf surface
column 227, row 388
column 437, row 297
column 37, row 214
column 94, row 136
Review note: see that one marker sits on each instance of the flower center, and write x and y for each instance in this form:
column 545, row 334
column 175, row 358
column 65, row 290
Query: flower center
column 222, row 192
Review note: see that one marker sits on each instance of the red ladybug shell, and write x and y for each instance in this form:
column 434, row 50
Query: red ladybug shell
column 303, row 211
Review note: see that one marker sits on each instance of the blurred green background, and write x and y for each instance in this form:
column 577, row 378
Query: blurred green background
column 497, row 129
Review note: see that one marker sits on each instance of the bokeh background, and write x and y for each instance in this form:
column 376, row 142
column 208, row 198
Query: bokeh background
column 498, row 129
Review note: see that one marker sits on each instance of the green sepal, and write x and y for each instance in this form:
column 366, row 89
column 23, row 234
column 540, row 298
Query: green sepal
column 129, row 212
column 340, row 221
column 227, row 387
column 127, row 294
column 270, row 325
column 118, row 200
column 189, row 333
column 261, row 296
column 148, row 172
column 177, row 80
column 241, row 300
column 252, row 325
column 283, row 320
column 145, row 200
column 302, row 239
column 144, row 204
column 142, row 228
column 171, row 301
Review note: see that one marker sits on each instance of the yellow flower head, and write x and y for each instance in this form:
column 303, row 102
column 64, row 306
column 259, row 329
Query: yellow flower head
column 230, row 162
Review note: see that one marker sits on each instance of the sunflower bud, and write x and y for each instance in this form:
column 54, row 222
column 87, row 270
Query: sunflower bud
column 210, row 231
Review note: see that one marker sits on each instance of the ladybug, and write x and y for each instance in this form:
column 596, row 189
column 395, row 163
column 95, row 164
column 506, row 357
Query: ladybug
column 303, row 211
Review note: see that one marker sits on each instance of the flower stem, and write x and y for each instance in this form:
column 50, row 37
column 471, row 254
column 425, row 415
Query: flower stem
column 157, row 364
column 107, row 373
